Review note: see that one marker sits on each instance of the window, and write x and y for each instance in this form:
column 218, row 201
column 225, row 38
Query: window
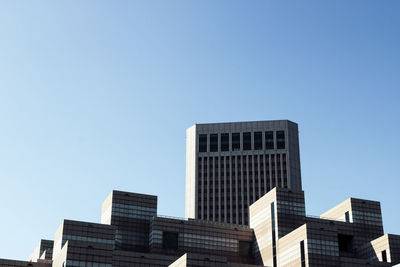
column 213, row 142
column 235, row 141
column 347, row 216
column 257, row 140
column 247, row 141
column 202, row 143
column 225, row 142
column 170, row 240
column 244, row 248
column 280, row 140
column 345, row 243
column 303, row 257
column 384, row 257
column 269, row 140
column 273, row 234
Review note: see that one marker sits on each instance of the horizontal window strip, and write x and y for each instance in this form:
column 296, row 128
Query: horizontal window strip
column 87, row 239
column 86, row 264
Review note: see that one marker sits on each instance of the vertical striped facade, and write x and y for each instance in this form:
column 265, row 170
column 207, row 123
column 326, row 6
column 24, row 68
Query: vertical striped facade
column 231, row 165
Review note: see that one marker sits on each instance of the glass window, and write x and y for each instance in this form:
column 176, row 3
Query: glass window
column 345, row 243
column 347, row 216
column 235, row 141
column 258, row 140
column 303, row 257
column 247, row 141
column 213, row 142
column 225, row 142
column 280, row 140
column 244, row 248
column 269, row 140
column 170, row 240
column 273, row 235
column 384, row 257
column 202, row 143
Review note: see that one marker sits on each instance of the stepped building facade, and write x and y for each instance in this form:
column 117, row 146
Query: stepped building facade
column 280, row 234
column 244, row 208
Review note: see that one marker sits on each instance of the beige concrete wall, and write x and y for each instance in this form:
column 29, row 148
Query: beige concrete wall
column 261, row 222
column 289, row 247
column 191, row 194
column 34, row 256
column 58, row 240
column 181, row 262
column 338, row 212
column 61, row 256
column 380, row 244
column 106, row 209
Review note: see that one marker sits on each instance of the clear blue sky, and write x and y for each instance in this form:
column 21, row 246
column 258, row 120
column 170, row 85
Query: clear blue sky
column 94, row 94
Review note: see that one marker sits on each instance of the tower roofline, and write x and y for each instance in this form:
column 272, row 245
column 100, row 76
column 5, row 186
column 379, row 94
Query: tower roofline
column 244, row 122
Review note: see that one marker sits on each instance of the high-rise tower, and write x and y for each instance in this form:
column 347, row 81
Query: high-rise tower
column 231, row 165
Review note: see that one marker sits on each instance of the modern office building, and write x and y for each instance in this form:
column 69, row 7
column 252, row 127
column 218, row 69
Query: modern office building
column 280, row 234
column 244, row 190
column 231, row 165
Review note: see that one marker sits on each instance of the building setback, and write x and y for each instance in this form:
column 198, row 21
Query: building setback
column 244, row 208
column 231, row 165
column 280, row 234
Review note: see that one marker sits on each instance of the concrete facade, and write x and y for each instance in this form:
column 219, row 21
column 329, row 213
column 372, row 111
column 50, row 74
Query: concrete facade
column 231, row 165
